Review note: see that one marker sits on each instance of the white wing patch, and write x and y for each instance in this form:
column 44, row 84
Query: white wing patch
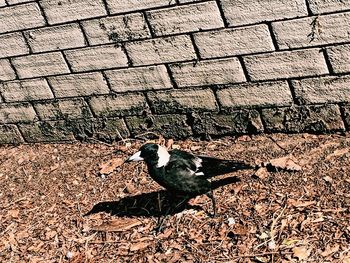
column 198, row 162
column 163, row 156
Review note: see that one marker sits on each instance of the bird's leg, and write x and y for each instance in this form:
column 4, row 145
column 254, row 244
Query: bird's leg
column 161, row 219
column 211, row 196
column 160, row 223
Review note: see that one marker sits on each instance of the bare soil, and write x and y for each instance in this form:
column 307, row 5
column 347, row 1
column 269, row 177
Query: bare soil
column 279, row 215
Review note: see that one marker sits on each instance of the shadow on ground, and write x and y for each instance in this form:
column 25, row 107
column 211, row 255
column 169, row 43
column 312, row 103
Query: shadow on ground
column 159, row 203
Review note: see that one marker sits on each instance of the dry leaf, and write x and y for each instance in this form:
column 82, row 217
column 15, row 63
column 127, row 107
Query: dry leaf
column 195, row 148
column 262, row 259
column 330, row 250
column 338, row 152
column 262, row 173
column 301, row 252
column 240, row 230
column 118, row 225
column 111, row 165
column 299, row 203
column 169, row 143
column 284, row 163
column 175, row 146
column 328, row 179
column 14, row 213
column 50, row 234
column 139, row 246
column 289, row 242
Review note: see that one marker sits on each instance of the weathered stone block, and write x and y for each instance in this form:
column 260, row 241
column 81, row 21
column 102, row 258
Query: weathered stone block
column 243, row 12
column 170, row 126
column 255, row 94
column 106, row 130
column 9, row 134
column 40, row 65
column 322, row 90
column 209, row 72
column 16, row 112
column 53, row 131
column 180, row 101
column 161, row 50
column 116, row 29
column 346, row 111
column 13, row 44
column 83, row 84
column 139, row 79
column 59, row 11
column 339, row 56
column 117, row 6
column 325, row 6
column 312, row 31
column 20, row 17
column 177, row 19
column 237, row 122
column 315, row 119
column 287, row 64
column 6, row 71
column 234, row 41
column 26, row 90
column 63, row 109
column 119, row 105
column 95, row 58
column 55, row 38
column 12, row 2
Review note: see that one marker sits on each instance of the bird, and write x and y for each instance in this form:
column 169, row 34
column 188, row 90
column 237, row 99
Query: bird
column 183, row 173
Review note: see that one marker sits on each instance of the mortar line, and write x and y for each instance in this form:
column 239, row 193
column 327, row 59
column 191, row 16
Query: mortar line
column 273, row 37
column 222, row 13
column 328, row 61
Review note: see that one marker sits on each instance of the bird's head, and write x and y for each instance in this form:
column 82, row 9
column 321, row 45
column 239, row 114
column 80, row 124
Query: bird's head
column 152, row 154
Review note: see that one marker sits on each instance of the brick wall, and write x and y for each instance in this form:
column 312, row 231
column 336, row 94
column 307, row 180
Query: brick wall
column 111, row 69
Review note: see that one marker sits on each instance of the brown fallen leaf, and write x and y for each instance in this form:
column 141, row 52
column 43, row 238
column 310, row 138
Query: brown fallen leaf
column 169, row 143
column 330, row 250
column 262, row 173
column 195, row 148
column 139, row 246
column 288, row 163
column 301, row 252
column 14, row 213
column 338, row 152
column 111, row 165
column 302, row 203
column 118, row 225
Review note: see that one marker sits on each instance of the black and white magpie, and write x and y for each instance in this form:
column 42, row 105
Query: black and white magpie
column 183, row 173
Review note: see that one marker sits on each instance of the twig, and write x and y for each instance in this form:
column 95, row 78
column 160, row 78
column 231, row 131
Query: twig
column 14, row 202
column 102, row 142
column 279, row 146
column 272, row 230
column 262, row 254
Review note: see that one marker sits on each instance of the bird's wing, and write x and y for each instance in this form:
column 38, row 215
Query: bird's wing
column 183, row 176
column 205, row 166
column 187, row 160
column 211, row 166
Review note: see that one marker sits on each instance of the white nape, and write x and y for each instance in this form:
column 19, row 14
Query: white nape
column 163, row 156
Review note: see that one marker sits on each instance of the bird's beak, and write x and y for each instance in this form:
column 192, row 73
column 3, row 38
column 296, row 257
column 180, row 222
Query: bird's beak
column 136, row 157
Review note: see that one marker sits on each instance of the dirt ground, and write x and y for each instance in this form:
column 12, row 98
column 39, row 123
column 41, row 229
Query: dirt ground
column 292, row 212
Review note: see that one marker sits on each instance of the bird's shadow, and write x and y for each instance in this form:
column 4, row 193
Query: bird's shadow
column 154, row 204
